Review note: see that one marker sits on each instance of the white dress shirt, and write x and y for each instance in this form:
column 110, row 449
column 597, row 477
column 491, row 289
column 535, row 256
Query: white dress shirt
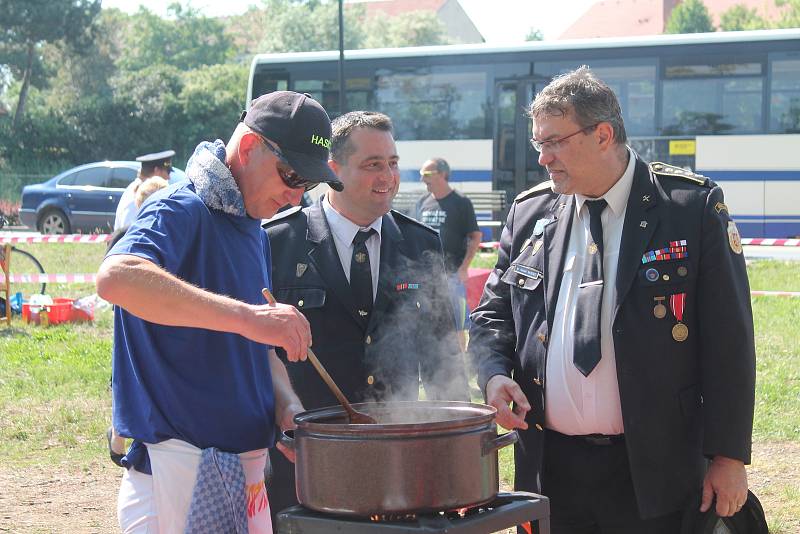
column 344, row 230
column 126, row 209
column 577, row 404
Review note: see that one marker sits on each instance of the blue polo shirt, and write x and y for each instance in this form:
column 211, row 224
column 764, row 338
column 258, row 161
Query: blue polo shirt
column 204, row 387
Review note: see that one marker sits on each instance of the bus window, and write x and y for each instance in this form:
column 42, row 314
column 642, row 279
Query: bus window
column 712, row 98
column 634, row 85
column 267, row 81
column 436, row 102
column 507, row 111
column 326, row 92
column 784, row 101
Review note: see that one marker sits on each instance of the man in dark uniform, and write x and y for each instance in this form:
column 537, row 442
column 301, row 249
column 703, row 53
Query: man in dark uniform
column 618, row 322
column 155, row 164
column 371, row 284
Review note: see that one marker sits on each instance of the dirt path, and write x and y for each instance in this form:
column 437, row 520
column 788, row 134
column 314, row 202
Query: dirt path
column 66, row 499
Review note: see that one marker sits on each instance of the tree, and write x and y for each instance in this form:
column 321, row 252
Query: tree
column 740, row 17
column 690, row 16
column 309, row 26
column 790, row 13
column 27, row 24
column 185, row 40
column 416, row 28
column 534, row 35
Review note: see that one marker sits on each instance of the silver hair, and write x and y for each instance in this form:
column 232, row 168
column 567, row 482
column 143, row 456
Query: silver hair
column 584, row 95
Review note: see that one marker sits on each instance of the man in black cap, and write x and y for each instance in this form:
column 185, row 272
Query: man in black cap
column 155, row 164
column 196, row 382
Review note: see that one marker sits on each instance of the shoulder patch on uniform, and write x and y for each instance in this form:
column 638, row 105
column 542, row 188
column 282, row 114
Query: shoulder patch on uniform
column 538, row 189
column 671, row 171
column 280, row 216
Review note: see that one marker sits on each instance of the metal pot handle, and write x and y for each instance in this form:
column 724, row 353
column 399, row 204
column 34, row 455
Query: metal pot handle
column 287, row 439
column 494, row 444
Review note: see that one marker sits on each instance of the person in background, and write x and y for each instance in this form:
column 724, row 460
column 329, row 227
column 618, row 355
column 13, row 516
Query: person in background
column 618, row 321
column 196, row 382
column 156, row 164
column 141, row 192
column 450, row 213
column 370, row 281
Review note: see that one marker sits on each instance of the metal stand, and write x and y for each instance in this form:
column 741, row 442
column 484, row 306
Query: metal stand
column 5, row 286
column 506, row 511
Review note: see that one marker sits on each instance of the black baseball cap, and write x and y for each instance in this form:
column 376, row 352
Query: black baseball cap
column 301, row 128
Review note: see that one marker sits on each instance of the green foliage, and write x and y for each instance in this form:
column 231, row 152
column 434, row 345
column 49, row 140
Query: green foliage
column 309, row 26
column 534, row 35
column 790, row 13
column 211, row 100
column 28, row 25
column 690, row 16
column 740, row 17
column 186, row 40
column 417, row 28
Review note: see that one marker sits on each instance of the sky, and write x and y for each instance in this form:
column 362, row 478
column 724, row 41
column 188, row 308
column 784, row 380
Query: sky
column 498, row 20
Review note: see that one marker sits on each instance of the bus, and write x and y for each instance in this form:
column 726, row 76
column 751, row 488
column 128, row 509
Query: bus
column 726, row 105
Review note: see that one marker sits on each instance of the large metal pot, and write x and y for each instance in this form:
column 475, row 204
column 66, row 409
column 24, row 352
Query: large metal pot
column 421, row 456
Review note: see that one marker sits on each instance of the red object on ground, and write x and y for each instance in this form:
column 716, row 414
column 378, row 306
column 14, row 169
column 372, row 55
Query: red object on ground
column 475, row 282
column 60, row 311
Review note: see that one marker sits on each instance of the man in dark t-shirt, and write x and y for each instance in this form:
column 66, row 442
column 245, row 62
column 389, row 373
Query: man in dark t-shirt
column 452, row 215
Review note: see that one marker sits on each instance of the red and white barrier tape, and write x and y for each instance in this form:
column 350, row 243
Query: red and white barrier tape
column 771, row 242
column 72, row 238
column 38, row 278
column 750, row 241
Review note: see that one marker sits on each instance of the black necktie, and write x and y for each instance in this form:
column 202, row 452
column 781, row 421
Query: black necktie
column 361, row 274
column 586, row 352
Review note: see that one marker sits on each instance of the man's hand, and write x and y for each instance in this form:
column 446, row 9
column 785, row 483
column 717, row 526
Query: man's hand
column 280, row 325
column 727, row 479
column 500, row 391
column 285, row 421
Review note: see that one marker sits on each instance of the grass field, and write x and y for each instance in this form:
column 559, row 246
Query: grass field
column 55, row 405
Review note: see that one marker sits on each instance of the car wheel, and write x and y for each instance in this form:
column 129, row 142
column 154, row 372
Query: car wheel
column 53, row 222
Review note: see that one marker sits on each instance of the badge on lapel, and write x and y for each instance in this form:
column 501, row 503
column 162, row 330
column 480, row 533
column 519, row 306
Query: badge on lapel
column 538, row 228
column 300, row 269
column 404, row 286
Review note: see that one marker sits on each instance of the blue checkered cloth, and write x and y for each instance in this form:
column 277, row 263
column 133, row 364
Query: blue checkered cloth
column 219, row 503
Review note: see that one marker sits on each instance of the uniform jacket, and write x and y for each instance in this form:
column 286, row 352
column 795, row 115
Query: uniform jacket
column 682, row 402
column 410, row 333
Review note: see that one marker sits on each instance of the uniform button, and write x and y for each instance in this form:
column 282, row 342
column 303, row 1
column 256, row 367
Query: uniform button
column 541, row 337
column 539, row 427
column 369, row 340
column 300, row 303
column 537, row 381
column 370, row 380
column 521, row 282
column 418, row 305
column 665, row 278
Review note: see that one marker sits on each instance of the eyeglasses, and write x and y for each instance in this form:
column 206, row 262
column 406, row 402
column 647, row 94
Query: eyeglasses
column 555, row 144
column 285, row 171
column 425, row 174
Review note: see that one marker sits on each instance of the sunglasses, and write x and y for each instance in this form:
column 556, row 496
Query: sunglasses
column 290, row 178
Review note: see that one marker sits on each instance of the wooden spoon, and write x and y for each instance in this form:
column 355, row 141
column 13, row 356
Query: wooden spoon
column 355, row 416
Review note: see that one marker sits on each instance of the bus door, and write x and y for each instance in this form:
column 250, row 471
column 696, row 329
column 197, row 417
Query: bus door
column 515, row 166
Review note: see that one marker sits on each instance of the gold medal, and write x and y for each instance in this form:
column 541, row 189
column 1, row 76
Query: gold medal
column 537, row 246
column 680, row 332
column 659, row 310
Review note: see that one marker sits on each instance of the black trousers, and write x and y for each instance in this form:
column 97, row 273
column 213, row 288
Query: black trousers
column 591, row 492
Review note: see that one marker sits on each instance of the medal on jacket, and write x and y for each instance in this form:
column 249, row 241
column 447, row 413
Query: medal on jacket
column 677, row 302
column 659, row 310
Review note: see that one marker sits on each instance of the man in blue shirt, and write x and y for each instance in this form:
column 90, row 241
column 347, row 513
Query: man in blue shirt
column 194, row 369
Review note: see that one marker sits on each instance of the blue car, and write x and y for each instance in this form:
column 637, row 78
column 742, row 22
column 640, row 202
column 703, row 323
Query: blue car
column 83, row 199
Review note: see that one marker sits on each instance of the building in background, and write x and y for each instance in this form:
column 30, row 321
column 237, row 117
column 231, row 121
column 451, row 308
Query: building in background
column 628, row 18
